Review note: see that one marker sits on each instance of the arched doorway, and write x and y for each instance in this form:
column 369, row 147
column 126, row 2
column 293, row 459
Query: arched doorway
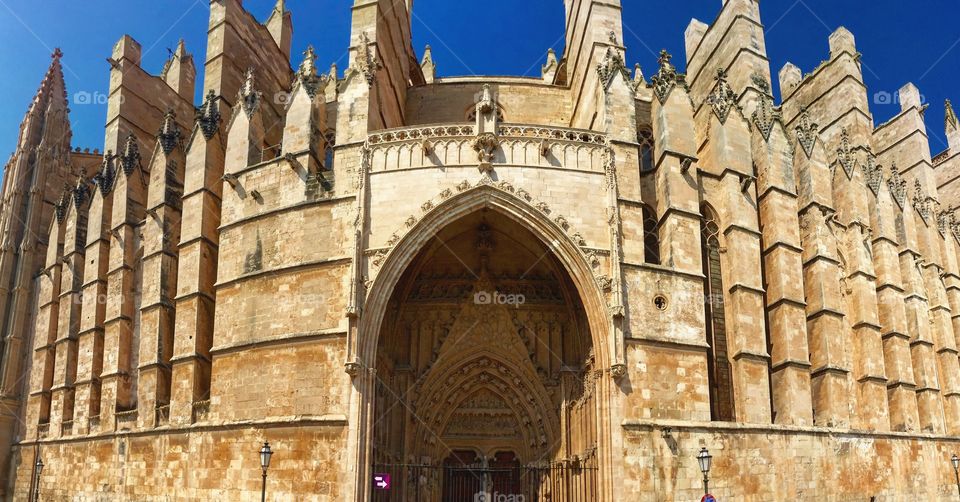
column 485, row 371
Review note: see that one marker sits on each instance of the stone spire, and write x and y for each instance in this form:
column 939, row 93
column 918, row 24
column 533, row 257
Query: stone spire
column 39, row 167
column 51, row 98
column 952, row 127
column 179, row 71
column 280, row 26
column 428, row 66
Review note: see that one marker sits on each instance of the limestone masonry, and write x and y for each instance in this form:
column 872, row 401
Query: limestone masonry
column 555, row 288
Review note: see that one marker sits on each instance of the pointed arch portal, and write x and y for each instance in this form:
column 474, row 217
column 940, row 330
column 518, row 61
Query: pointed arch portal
column 485, row 359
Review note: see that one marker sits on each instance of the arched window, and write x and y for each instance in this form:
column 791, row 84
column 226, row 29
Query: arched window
column 718, row 361
column 645, row 138
column 331, row 140
column 651, row 237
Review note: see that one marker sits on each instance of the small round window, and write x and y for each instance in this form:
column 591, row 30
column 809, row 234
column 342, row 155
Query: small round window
column 660, row 302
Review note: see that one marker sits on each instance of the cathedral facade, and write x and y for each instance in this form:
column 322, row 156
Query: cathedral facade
column 416, row 288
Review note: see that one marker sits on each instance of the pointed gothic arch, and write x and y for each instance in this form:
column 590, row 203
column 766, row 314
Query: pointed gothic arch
column 515, row 380
column 720, row 370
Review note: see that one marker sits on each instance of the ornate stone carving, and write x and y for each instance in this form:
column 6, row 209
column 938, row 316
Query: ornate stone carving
column 130, row 157
column 766, row 115
column 486, row 146
column 921, row 202
column 352, row 368
column 944, row 221
column 618, row 371
column 169, row 134
column 105, row 175
column 807, row 132
column 208, row 116
column 81, row 191
column 873, row 173
column 666, row 78
column 722, row 99
column 611, row 66
column 365, row 63
column 897, row 185
column 306, row 76
column 845, row 154
column 249, row 97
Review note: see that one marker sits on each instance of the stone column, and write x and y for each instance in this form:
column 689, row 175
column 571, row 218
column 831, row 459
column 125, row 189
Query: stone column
column 885, row 212
column 829, row 342
column 922, row 348
column 93, row 301
column 197, row 264
column 74, row 238
column 782, row 268
column 859, row 286
column 43, row 370
column 161, row 235
column 729, row 186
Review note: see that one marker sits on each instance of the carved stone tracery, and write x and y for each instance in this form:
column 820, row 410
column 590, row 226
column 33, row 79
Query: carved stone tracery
column 723, row 99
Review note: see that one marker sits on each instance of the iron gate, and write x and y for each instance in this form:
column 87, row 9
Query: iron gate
column 560, row 482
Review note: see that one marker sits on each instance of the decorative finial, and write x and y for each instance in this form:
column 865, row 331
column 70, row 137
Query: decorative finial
column 169, row 135
column 208, row 116
column 307, row 74
column 666, row 78
column 249, row 95
column 130, row 157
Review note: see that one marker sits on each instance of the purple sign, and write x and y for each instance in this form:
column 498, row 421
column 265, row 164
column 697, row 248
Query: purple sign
column 381, row 481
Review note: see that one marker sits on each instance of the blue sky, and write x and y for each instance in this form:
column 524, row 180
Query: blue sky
column 902, row 41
